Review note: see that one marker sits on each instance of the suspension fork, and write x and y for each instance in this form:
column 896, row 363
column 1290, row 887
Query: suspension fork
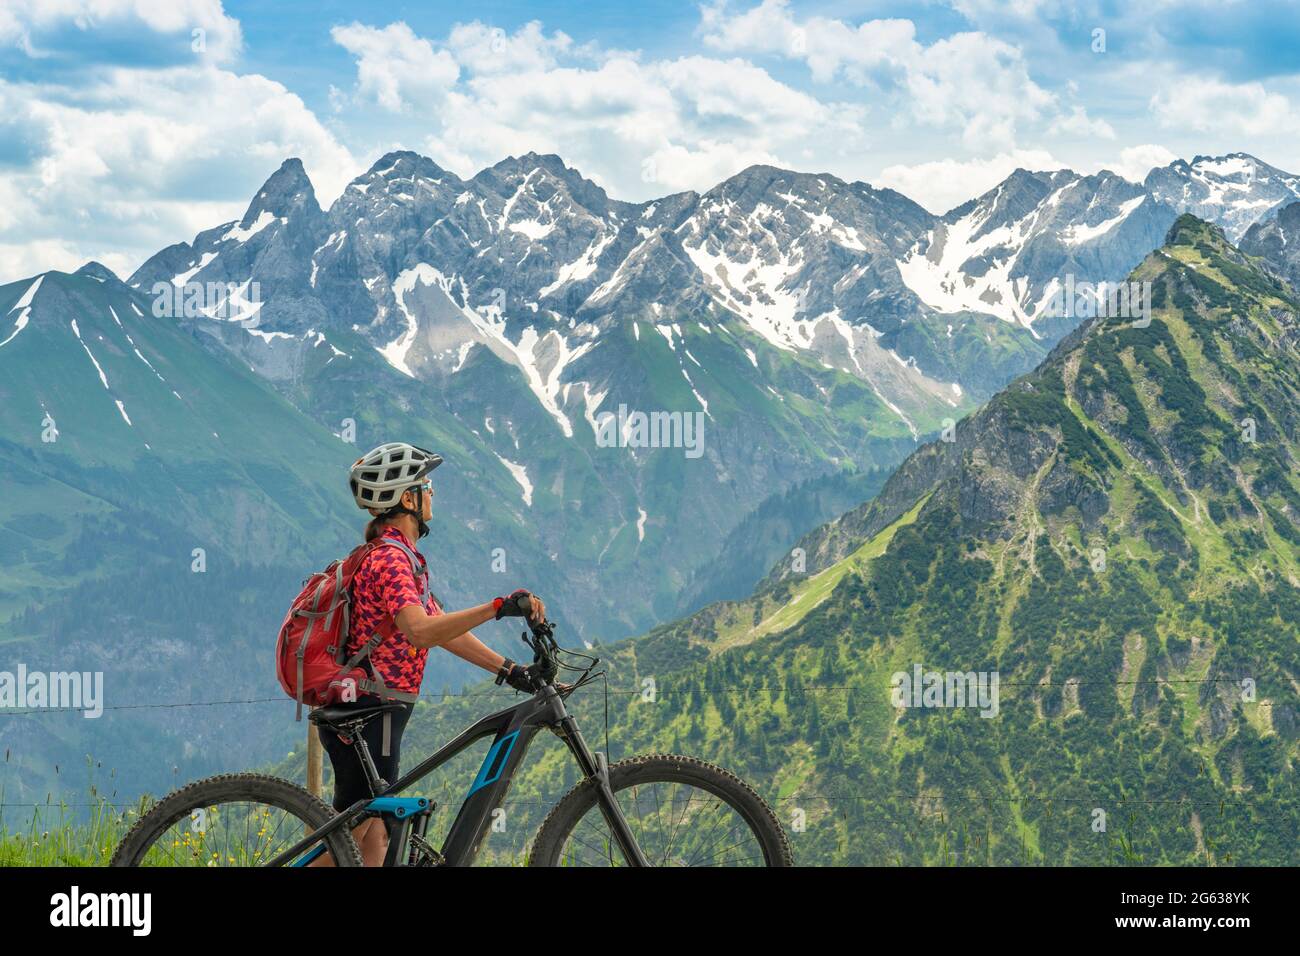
column 596, row 767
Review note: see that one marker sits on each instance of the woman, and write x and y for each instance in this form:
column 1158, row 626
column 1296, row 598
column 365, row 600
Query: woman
column 391, row 596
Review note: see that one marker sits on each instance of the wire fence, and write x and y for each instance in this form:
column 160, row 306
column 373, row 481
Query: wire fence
column 816, row 801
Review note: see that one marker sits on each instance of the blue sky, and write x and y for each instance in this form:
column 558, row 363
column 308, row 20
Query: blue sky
column 126, row 125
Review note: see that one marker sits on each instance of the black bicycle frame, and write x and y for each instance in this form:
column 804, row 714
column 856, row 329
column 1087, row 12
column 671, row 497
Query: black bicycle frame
column 512, row 730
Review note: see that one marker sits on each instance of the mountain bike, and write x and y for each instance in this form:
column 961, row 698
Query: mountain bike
column 653, row 810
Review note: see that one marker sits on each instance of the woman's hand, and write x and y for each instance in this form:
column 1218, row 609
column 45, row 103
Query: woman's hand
column 520, row 603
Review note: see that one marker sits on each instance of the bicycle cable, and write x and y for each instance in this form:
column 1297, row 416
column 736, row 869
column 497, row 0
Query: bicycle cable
column 586, row 678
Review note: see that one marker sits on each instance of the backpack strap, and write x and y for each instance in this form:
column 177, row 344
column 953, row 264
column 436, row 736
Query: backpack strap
column 420, row 569
column 312, row 616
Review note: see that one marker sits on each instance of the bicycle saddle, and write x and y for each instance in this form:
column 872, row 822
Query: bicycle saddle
column 338, row 715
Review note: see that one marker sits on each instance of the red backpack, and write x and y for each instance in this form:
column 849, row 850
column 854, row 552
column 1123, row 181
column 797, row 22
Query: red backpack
column 310, row 652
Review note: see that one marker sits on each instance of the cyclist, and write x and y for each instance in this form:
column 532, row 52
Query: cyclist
column 392, row 483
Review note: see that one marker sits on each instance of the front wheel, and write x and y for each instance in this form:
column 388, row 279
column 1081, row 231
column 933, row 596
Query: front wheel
column 682, row 811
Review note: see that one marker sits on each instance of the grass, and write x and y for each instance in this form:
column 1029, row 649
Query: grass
column 819, row 587
column 60, row 834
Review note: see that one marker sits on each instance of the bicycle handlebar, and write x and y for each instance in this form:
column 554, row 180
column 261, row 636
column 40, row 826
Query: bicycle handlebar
column 543, row 642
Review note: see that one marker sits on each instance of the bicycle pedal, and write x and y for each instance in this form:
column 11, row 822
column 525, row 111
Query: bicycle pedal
column 423, row 854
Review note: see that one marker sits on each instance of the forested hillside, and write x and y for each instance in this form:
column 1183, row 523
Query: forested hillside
column 1115, row 535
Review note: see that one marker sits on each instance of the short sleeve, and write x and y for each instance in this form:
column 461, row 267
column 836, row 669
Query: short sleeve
column 393, row 581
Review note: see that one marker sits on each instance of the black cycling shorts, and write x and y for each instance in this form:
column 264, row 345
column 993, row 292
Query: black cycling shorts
column 350, row 784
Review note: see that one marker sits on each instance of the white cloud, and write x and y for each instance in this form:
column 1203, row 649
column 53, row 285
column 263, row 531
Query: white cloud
column 639, row 128
column 1207, row 104
column 1079, row 124
column 18, row 260
column 28, row 23
column 396, row 68
column 947, row 183
column 481, row 48
column 140, row 159
column 1136, row 161
column 969, row 81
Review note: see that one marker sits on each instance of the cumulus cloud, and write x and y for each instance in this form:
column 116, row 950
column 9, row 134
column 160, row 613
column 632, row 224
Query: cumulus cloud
column 947, row 183
column 147, row 157
column 1079, row 124
column 1204, row 103
column 395, row 67
column 34, row 25
column 969, row 81
column 1136, row 161
column 481, row 48
column 639, row 127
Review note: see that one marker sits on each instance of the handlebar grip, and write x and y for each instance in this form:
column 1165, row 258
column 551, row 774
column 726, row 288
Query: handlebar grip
column 537, row 627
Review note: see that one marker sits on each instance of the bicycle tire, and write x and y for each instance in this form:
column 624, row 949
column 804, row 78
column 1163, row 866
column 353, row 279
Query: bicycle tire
column 227, row 788
column 552, row 836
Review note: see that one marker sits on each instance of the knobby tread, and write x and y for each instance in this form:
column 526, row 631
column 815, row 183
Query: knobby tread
column 551, row 835
column 258, row 787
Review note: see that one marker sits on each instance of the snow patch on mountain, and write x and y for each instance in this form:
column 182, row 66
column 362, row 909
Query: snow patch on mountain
column 395, row 352
column 580, row 268
column 938, row 276
column 754, row 291
column 520, row 474
column 1078, row 233
column 23, row 308
column 26, row 299
column 19, row 324
column 98, row 368
column 533, row 229
column 239, row 233
column 181, row 278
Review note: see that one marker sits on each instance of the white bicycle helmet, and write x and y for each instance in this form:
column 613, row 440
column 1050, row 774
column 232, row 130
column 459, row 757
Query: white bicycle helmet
column 379, row 477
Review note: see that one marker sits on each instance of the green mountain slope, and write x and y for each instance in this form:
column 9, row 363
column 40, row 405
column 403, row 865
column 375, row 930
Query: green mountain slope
column 159, row 507
column 1116, row 535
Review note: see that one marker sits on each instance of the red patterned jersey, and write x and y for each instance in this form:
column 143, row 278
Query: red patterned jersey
column 384, row 584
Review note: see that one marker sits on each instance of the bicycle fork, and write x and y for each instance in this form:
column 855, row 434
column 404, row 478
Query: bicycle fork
column 596, row 766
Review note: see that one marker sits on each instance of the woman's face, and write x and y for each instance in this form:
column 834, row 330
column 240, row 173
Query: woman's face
column 408, row 500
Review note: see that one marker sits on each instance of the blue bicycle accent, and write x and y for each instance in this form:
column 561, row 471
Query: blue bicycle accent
column 398, row 806
column 496, row 759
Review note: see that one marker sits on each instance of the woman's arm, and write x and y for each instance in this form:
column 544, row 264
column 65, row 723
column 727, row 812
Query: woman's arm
column 425, row 630
column 469, row 648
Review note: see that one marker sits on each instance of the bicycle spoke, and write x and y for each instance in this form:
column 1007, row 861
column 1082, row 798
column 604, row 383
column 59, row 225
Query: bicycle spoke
column 674, row 823
column 234, row 834
column 718, row 818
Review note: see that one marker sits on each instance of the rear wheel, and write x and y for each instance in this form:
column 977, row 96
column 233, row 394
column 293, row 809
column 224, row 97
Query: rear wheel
column 682, row 811
column 235, row 819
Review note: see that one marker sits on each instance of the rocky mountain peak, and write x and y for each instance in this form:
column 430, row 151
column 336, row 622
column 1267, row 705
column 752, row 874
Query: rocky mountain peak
column 97, row 270
column 286, row 194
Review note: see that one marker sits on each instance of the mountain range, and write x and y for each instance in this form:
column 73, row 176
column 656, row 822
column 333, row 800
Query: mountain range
column 818, row 330
column 830, row 324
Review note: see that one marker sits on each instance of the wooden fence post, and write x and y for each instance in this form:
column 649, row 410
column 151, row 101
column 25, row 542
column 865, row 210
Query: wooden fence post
column 314, row 782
